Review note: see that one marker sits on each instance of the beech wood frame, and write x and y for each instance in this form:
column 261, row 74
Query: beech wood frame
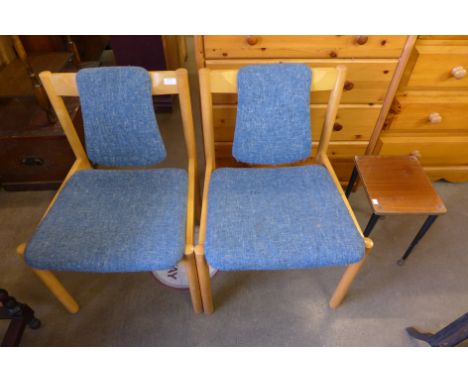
column 58, row 85
column 225, row 81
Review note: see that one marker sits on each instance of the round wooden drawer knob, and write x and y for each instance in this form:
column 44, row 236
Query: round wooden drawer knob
column 435, row 118
column 348, row 85
column 361, row 40
column 416, row 154
column 337, row 126
column 252, row 40
column 459, row 72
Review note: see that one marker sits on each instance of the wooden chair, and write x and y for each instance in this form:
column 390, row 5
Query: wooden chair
column 219, row 186
column 93, row 208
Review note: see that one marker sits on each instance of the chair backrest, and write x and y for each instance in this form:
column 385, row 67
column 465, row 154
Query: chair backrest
column 119, row 121
column 226, row 81
column 273, row 114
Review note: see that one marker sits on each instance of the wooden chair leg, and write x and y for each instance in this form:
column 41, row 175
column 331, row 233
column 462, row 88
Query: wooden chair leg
column 54, row 285
column 194, row 285
column 58, row 290
column 205, row 281
column 348, row 277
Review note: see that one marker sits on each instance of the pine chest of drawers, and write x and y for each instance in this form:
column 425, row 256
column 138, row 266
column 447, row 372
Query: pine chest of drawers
column 371, row 61
column 429, row 115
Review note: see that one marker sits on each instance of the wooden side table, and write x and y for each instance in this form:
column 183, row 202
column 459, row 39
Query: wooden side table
column 397, row 185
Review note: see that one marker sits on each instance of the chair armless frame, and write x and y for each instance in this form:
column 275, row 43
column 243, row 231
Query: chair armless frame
column 225, row 81
column 58, row 85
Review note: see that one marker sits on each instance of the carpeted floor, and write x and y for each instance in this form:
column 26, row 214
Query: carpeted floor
column 281, row 308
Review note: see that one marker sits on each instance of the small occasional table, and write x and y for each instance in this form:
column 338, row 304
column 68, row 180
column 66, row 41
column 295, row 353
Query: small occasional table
column 397, row 185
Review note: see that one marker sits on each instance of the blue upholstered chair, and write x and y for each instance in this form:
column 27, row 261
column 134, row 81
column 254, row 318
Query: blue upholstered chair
column 120, row 219
column 276, row 216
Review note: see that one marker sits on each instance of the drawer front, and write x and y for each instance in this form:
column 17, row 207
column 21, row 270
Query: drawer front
column 442, row 37
column 366, row 81
column 449, row 173
column 431, row 116
column 336, row 151
column 40, row 159
column 261, row 46
column 431, row 150
column 353, row 123
column 440, row 67
column 341, row 157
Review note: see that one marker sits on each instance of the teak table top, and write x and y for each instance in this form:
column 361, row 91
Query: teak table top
column 398, row 185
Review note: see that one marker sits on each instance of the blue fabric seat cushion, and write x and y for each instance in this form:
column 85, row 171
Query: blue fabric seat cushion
column 119, row 121
column 114, row 221
column 273, row 114
column 278, row 218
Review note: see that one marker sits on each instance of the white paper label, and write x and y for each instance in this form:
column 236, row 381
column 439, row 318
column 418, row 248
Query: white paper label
column 375, row 201
column 170, row 81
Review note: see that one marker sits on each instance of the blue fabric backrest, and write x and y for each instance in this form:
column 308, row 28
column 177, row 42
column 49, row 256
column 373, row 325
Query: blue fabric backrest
column 119, row 121
column 273, row 114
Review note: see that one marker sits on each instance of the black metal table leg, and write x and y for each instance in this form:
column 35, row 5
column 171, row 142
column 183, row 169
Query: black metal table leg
column 351, row 182
column 453, row 334
column 413, row 332
column 370, row 225
column 427, row 224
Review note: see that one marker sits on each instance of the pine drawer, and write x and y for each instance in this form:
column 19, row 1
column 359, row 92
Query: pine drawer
column 430, row 112
column 366, row 80
column 432, row 150
column 341, row 157
column 336, row 151
column 444, row 37
column 353, row 123
column 434, row 65
column 264, row 46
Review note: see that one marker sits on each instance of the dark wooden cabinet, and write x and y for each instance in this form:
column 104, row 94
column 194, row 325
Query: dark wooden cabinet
column 37, row 156
column 34, row 152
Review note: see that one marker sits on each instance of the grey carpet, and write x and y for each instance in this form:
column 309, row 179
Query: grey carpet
column 281, row 308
